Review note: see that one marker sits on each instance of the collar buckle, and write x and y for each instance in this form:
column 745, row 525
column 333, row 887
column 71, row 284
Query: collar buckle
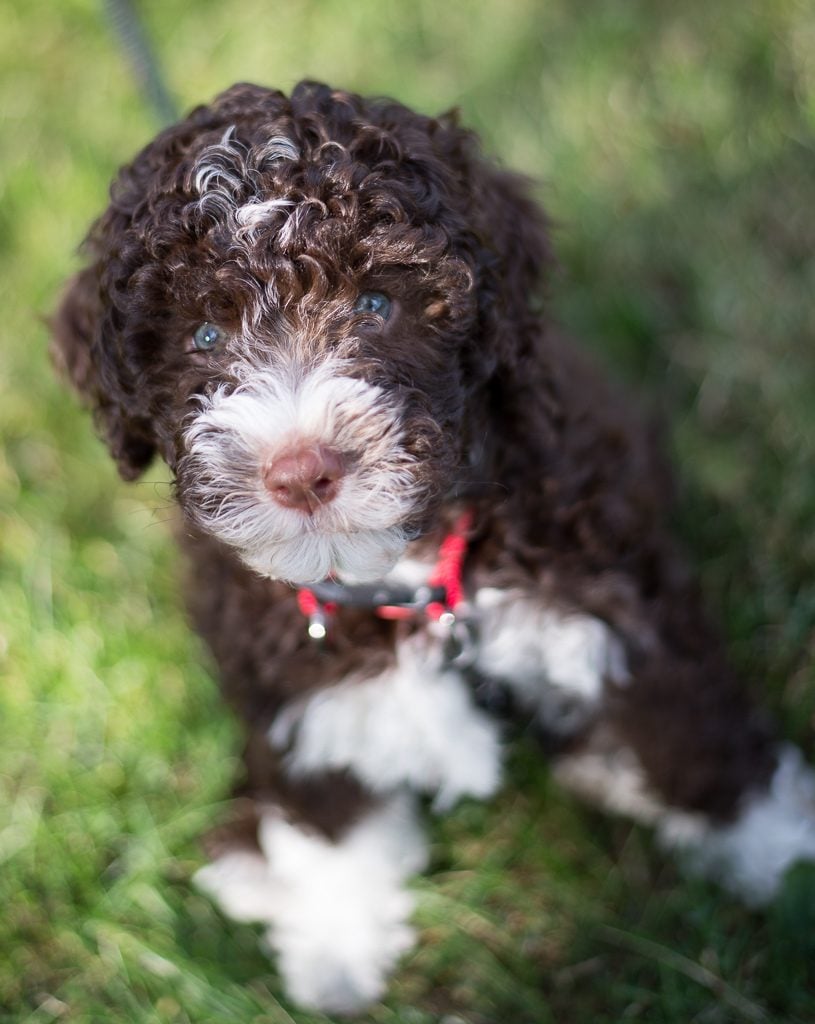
column 438, row 599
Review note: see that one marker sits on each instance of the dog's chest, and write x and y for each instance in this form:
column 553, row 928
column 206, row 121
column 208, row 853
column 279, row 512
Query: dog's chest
column 555, row 663
column 421, row 722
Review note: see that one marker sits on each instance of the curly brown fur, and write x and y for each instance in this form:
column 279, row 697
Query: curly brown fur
column 284, row 222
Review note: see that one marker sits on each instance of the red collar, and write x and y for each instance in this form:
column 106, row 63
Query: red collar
column 442, row 594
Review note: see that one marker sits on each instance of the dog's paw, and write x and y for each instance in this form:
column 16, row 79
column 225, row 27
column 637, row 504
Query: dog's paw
column 337, row 957
column 774, row 831
column 336, row 913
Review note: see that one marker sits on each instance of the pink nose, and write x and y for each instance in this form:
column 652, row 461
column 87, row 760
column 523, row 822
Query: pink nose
column 304, row 478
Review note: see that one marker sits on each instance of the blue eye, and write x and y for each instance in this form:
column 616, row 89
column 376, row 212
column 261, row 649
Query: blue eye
column 206, row 337
column 373, row 302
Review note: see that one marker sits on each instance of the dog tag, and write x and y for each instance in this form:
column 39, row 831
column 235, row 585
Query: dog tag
column 318, row 625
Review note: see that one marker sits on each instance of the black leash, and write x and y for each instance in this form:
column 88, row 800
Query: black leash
column 127, row 23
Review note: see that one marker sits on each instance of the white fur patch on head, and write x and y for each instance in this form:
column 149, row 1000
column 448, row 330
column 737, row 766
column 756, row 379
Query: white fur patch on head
column 358, row 535
column 225, row 167
column 275, row 149
column 229, row 179
column 219, row 167
column 414, row 725
column 258, row 211
column 555, row 663
column 337, row 913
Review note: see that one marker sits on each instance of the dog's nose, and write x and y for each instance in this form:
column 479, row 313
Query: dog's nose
column 304, row 478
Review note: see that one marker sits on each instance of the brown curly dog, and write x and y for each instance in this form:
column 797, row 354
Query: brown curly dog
column 413, row 514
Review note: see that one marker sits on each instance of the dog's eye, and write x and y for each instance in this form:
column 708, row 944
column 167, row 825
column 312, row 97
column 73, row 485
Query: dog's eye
column 373, row 302
column 206, row 337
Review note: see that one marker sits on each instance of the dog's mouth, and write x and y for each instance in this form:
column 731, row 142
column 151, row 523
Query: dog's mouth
column 353, row 538
column 305, row 478
column 349, row 558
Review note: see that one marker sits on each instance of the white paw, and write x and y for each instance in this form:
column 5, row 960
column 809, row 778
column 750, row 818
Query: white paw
column 774, row 830
column 339, row 962
column 556, row 664
column 336, row 913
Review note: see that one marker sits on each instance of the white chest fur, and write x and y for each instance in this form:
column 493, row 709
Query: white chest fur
column 414, row 725
column 417, row 724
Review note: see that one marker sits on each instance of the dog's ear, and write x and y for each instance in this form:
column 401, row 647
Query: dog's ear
column 109, row 326
column 509, row 244
column 98, row 339
column 96, row 343
column 85, row 350
column 514, row 257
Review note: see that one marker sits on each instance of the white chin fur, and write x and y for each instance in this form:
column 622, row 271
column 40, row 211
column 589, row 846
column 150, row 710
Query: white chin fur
column 354, row 558
column 359, row 535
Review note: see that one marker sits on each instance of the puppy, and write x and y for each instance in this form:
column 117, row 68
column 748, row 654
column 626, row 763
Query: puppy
column 407, row 503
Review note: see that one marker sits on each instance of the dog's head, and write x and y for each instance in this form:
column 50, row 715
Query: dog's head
column 300, row 304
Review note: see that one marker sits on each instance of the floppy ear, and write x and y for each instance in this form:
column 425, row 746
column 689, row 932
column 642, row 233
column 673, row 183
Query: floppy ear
column 109, row 324
column 95, row 344
column 508, row 243
column 511, row 262
column 83, row 349
column 514, row 259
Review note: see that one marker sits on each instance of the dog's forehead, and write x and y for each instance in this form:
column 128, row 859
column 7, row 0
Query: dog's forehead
column 268, row 188
column 354, row 170
column 275, row 166
column 302, row 216
column 239, row 164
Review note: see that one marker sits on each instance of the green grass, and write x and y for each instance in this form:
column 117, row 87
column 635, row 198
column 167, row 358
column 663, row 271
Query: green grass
column 675, row 147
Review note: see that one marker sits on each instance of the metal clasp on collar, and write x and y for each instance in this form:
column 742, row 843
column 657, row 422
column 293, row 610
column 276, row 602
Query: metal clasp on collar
column 459, row 637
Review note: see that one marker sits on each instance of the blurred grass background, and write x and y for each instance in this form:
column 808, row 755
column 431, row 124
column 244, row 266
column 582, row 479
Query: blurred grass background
column 674, row 145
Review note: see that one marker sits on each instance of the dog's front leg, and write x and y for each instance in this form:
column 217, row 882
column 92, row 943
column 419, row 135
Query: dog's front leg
column 659, row 730
column 335, row 907
column 337, row 830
